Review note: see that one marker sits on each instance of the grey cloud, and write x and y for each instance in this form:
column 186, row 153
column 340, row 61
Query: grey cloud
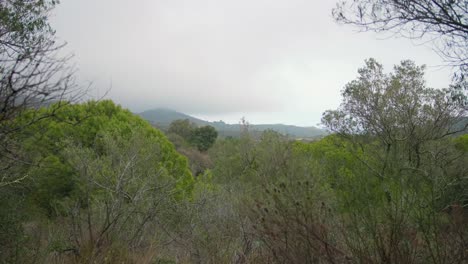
column 222, row 56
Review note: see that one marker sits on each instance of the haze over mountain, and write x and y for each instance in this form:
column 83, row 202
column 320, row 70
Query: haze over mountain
column 225, row 59
column 162, row 118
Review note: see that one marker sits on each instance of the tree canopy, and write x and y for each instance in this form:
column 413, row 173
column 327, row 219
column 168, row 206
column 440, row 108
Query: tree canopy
column 204, row 137
column 91, row 126
column 32, row 72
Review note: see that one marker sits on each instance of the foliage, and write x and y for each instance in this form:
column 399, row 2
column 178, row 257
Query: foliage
column 119, row 195
column 85, row 125
column 203, row 137
column 199, row 162
column 193, row 142
column 93, row 183
column 32, row 74
column 294, row 223
column 25, row 21
column 124, row 187
column 101, row 169
column 183, row 128
column 97, row 184
column 406, row 169
column 398, row 109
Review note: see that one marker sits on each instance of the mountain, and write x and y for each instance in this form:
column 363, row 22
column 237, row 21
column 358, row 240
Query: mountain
column 162, row 118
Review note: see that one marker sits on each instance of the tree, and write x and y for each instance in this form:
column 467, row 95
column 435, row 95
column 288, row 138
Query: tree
column 397, row 108
column 182, row 127
column 125, row 186
column 203, row 137
column 94, row 160
column 443, row 22
column 406, row 167
column 32, row 73
column 45, row 140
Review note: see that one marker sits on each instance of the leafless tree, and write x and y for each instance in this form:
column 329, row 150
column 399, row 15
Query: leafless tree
column 444, row 23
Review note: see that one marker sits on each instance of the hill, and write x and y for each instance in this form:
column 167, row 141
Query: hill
column 162, row 118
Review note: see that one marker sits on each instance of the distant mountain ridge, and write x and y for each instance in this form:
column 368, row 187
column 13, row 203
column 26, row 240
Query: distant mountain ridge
column 162, row 117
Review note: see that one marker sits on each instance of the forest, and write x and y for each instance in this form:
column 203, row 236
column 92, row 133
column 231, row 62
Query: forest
column 88, row 181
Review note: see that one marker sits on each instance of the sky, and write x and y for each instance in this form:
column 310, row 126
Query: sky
column 270, row 61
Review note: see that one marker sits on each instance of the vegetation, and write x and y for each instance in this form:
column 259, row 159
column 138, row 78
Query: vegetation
column 162, row 119
column 31, row 74
column 91, row 182
column 193, row 142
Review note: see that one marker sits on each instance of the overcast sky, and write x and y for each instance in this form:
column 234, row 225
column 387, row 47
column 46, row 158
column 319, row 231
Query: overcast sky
column 272, row 61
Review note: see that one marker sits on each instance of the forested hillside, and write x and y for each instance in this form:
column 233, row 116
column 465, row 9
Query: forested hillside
column 162, row 118
column 88, row 181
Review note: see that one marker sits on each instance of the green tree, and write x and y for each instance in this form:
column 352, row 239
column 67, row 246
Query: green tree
column 406, row 166
column 398, row 109
column 203, row 137
column 31, row 74
column 99, row 169
column 87, row 125
column 182, row 127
